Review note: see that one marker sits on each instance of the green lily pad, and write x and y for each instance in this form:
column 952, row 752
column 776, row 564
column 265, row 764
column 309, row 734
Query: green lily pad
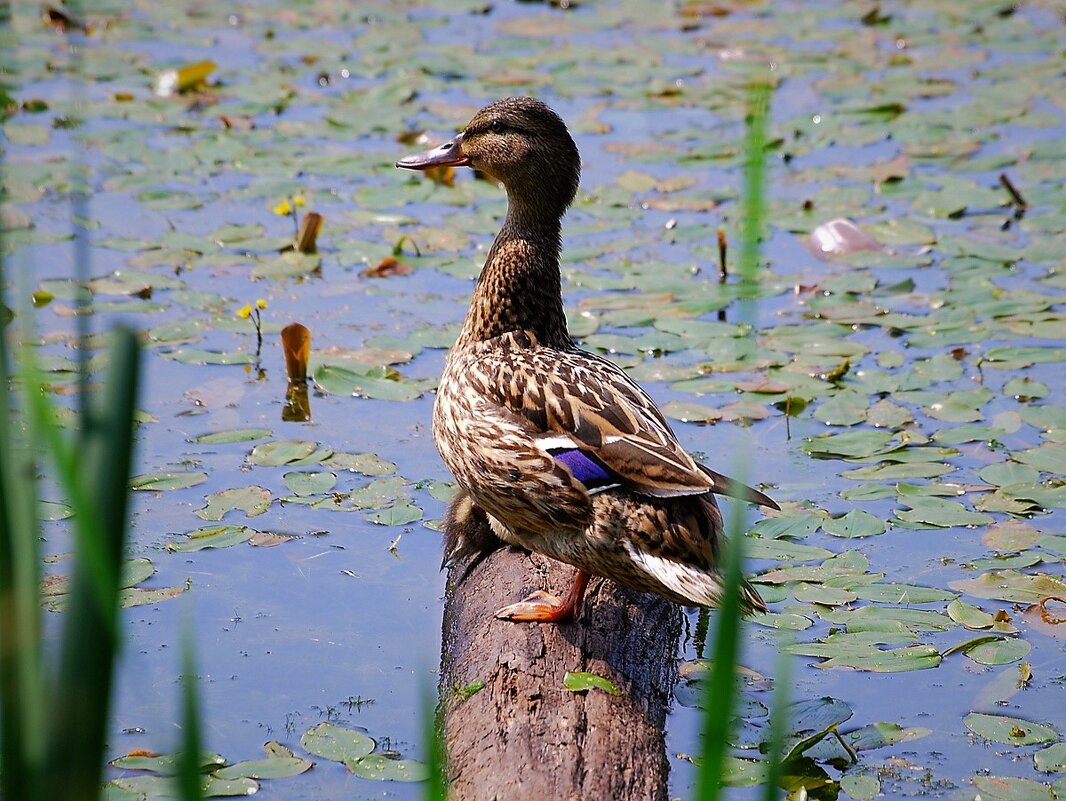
column 941, row 513
column 211, row 537
column 336, row 743
column 969, row 616
column 368, row 464
column 860, row 786
column 1012, row 731
column 231, row 435
column 1049, row 458
column 195, row 356
column 992, row 649
column 902, row 594
column 142, row 596
column 166, row 764
column 1010, row 585
column 855, row 523
column 788, row 524
column 783, row 550
column 582, row 682
column 158, row 482
column 398, row 514
column 281, row 452
column 252, row 500
column 383, row 768
column 276, row 768
column 1052, row 759
column 342, row 381
column 1010, row 535
column 881, row 734
column 304, row 484
column 1011, row 788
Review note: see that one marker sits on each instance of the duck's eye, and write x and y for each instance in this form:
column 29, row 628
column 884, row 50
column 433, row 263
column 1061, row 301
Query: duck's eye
column 496, row 126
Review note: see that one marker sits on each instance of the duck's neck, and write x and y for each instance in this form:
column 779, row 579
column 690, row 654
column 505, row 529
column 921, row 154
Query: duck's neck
column 518, row 289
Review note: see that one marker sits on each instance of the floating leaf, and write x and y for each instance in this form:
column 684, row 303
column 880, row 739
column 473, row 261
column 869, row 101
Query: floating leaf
column 902, row 594
column 194, row 356
column 231, row 435
column 167, row 481
column 1052, row 759
column 1010, row 535
column 166, row 764
column 1011, row 788
column 1012, row 731
column 275, row 768
column 1010, row 585
column 582, row 682
column 855, row 523
column 383, row 768
column 860, row 786
column 399, row 514
column 304, row 484
column 330, row 741
column 368, row 464
column 942, row 513
column 342, row 381
column 879, row 735
column 141, row 596
column 211, row 537
column 281, row 452
column 252, row 500
column 994, row 650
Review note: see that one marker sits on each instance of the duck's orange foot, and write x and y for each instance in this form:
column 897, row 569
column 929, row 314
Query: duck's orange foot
column 538, row 606
column 542, row 607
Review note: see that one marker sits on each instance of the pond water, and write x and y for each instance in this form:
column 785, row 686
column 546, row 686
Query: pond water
column 920, row 473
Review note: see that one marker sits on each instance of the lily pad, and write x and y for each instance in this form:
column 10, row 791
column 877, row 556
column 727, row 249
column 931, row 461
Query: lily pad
column 158, row 482
column 252, row 500
column 855, row 523
column 281, row 452
column 231, row 435
column 305, row 484
column 1052, row 759
column 1011, row 788
column 1012, row 731
column 276, row 768
column 336, row 743
column 211, row 537
column 387, row 769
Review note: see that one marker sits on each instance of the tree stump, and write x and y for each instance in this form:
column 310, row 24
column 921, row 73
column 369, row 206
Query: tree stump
column 524, row 736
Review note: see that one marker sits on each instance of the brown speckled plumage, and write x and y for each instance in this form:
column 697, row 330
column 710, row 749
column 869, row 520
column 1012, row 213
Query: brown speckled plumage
column 516, row 392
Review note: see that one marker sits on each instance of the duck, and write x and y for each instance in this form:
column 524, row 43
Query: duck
column 554, row 449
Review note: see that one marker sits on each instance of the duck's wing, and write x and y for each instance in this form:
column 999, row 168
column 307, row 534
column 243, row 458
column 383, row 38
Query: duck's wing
column 591, row 416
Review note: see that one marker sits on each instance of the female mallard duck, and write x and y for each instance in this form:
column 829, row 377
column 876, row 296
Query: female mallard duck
column 556, row 450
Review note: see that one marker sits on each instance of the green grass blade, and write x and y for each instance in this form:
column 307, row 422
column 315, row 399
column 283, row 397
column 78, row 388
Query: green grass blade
column 82, row 694
column 22, row 741
column 753, row 205
column 778, row 725
column 721, row 691
column 189, row 778
column 436, row 788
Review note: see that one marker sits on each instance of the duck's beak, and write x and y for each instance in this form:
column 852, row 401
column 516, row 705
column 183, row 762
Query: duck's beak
column 450, row 154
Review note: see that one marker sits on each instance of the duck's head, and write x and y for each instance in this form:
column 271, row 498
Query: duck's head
column 521, row 143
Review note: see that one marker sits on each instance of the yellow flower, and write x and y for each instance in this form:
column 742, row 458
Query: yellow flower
column 298, row 200
column 244, row 312
column 260, row 304
column 283, row 208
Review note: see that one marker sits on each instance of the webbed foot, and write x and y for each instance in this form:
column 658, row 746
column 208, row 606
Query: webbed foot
column 542, row 607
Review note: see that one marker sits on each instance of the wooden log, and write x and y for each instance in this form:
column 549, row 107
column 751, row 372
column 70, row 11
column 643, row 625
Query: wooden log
column 524, row 736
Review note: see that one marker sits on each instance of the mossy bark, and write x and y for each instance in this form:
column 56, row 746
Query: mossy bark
column 523, row 735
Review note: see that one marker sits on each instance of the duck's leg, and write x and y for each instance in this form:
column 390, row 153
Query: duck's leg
column 545, row 608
